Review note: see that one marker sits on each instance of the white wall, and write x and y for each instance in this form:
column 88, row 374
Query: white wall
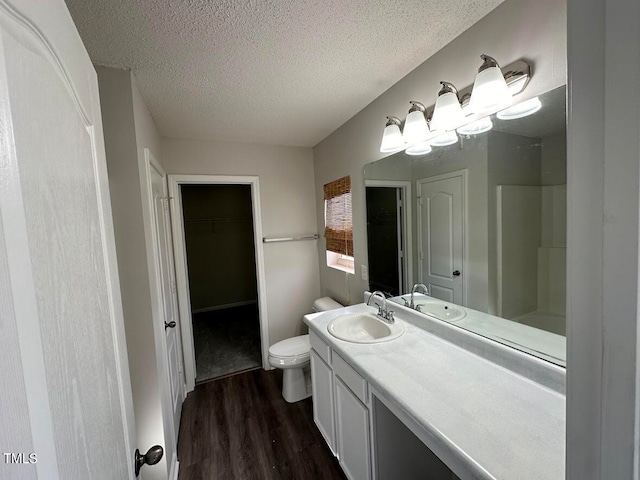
column 531, row 29
column 554, row 159
column 288, row 208
column 128, row 128
column 516, row 257
column 513, row 160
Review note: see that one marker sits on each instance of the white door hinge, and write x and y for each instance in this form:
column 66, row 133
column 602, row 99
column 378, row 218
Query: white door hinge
column 173, row 287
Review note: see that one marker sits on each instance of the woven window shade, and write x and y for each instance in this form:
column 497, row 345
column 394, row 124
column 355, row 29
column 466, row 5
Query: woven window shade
column 338, row 217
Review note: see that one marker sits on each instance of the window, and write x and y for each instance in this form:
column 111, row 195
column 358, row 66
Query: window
column 338, row 224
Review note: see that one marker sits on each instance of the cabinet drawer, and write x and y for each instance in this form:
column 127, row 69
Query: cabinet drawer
column 322, row 349
column 350, row 377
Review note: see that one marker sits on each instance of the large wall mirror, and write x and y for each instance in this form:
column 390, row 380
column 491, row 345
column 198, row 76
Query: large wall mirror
column 482, row 224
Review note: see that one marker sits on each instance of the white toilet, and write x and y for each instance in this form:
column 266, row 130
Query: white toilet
column 293, row 356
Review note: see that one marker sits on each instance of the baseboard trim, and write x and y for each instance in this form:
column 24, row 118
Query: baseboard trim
column 222, row 307
column 226, row 375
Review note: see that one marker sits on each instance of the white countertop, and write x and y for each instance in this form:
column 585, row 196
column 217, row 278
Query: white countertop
column 498, row 424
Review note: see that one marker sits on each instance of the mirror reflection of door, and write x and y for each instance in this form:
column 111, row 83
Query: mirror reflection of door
column 441, row 223
column 385, row 232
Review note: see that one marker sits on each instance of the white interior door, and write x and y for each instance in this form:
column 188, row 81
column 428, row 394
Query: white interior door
column 166, row 270
column 441, row 236
column 62, row 345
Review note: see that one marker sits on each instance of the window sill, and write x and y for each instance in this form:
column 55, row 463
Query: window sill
column 340, row 262
column 342, row 268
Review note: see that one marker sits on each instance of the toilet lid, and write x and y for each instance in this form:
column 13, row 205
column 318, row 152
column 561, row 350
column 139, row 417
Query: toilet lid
column 291, row 347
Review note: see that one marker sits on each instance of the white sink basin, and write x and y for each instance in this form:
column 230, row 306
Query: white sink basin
column 364, row 328
column 441, row 310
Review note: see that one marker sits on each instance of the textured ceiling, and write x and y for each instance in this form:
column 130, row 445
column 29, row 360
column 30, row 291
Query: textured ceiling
column 281, row 72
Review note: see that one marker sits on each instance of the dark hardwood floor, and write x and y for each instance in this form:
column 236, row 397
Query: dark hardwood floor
column 240, row 427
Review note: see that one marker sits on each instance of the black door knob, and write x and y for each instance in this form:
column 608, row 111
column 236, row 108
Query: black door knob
column 456, row 273
column 153, row 456
column 169, row 325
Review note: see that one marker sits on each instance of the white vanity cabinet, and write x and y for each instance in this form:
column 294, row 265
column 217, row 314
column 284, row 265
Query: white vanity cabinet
column 352, row 428
column 420, row 406
column 323, row 411
column 340, row 410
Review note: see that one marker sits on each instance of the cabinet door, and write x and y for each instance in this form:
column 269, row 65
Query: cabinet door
column 352, row 433
column 323, row 411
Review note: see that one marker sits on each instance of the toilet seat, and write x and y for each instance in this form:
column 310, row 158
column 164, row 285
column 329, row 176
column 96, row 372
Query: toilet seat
column 291, row 347
column 290, row 352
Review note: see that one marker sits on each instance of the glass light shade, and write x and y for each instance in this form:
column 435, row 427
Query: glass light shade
column 474, row 128
column 447, row 114
column 415, row 128
column 489, row 90
column 522, row 109
column 419, row 149
column 444, row 139
column 391, row 139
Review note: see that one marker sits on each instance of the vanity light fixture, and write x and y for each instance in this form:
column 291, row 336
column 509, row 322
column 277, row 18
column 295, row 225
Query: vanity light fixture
column 518, row 80
column 447, row 113
column 419, row 149
column 493, row 90
column 490, row 88
column 444, row 139
column 474, row 128
column 391, row 137
column 522, row 109
column 416, row 129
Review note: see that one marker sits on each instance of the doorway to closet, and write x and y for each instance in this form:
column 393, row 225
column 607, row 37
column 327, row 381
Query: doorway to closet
column 389, row 236
column 219, row 241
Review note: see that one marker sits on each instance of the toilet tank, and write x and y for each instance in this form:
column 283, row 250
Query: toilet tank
column 325, row 303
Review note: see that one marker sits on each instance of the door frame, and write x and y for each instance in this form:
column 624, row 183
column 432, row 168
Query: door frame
column 182, row 275
column 407, row 220
column 464, row 173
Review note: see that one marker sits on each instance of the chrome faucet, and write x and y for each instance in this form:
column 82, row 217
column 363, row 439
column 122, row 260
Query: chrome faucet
column 416, row 287
column 383, row 313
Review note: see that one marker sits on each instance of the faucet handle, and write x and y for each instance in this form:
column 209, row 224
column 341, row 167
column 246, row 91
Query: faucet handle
column 389, row 316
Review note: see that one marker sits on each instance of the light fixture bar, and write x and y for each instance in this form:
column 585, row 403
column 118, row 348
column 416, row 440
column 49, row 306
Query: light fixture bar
column 516, row 74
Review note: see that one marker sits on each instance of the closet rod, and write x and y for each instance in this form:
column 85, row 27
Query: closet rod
column 289, row 239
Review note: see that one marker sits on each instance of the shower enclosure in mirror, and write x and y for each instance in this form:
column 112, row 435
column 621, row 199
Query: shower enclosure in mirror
column 482, row 224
